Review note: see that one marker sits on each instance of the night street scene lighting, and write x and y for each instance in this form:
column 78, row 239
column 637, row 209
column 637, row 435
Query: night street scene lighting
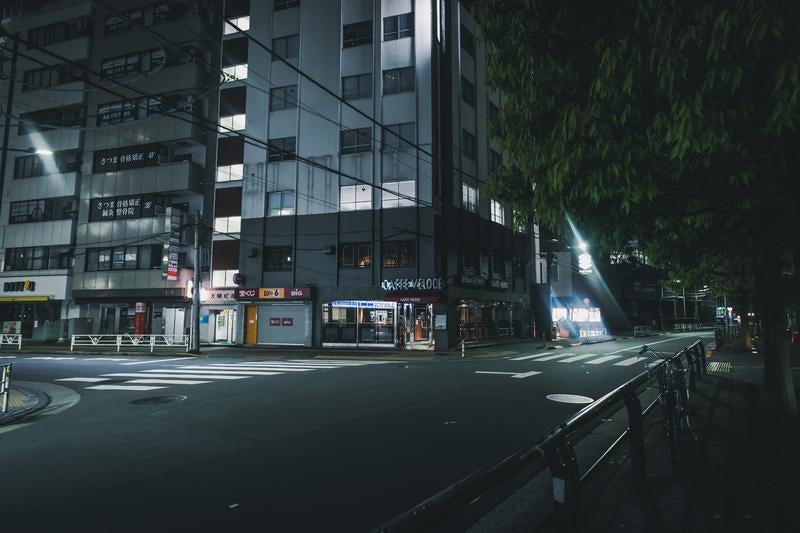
column 429, row 265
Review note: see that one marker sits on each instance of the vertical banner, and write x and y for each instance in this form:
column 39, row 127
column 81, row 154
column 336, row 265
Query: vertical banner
column 174, row 243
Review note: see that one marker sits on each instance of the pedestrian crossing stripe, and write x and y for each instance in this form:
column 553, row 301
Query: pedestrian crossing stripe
column 215, row 371
column 207, row 375
column 556, row 356
column 124, row 387
column 532, row 356
column 631, row 361
column 603, row 359
column 578, row 358
column 167, row 381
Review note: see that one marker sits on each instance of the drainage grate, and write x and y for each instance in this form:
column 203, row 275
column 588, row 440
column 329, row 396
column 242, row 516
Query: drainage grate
column 158, row 400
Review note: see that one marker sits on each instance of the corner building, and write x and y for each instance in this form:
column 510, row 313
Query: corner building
column 341, row 231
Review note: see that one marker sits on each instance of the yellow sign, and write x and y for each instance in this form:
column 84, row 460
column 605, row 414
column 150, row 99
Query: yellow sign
column 268, row 293
column 23, row 298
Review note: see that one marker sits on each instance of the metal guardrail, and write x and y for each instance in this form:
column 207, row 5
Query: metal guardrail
column 11, row 339
column 686, row 327
column 464, row 501
column 5, row 385
column 642, row 331
column 130, row 341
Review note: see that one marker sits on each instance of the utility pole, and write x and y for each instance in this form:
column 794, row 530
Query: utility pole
column 8, row 111
column 195, row 346
column 683, row 289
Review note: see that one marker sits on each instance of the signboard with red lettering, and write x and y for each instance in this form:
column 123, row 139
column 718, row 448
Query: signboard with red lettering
column 273, row 293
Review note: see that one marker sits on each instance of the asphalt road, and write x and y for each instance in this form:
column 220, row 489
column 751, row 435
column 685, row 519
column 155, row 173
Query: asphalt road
column 265, row 445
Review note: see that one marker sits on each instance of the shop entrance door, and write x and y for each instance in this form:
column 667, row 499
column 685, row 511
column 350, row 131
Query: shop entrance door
column 251, row 324
column 418, row 323
column 108, row 323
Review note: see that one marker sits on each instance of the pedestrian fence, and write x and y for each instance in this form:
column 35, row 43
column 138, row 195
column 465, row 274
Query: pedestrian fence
column 12, row 339
column 642, row 331
column 130, row 341
column 687, row 327
column 5, row 385
column 484, row 492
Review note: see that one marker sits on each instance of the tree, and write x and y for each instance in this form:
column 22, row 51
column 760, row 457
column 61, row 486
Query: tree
column 672, row 122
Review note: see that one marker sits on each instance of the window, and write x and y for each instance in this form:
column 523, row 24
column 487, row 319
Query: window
column 355, row 141
column 31, row 166
column 231, row 224
column 357, row 34
column 498, row 265
column 233, row 25
column 143, row 257
column 49, row 119
column 59, row 32
column 355, row 254
column 128, row 110
column 497, row 213
column 118, row 112
column 33, row 258
column 398, row 80
column 282, row 149
column 469, row 198
column 399, row 137
column 278, row 258
column 286, row 47
column 234, row 58
column 223, row 278
column 230, row 158
column 32, row 211
column 468, row 144
column 468, row 92
column 230, row 173
column 280, row 203
column 42, row 78
column 520, row 222
column 235, row 72
column 467, row 41
column 283, row 98
column 399, row 254
column 280, row 5
column 471, row 258
column 495, row 161
column 143, row 16
column 398, row 194
column 356, row 87
column 398, row 26
column 232, row 123
column 117, row 67
column 355, row 197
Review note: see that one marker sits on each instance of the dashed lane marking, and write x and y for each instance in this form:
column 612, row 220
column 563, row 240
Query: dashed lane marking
column 493, row 372
column 525, row 374
column 171, row 375
column 84, row 380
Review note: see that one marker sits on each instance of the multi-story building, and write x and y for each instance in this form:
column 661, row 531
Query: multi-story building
column 119, row 92
column 366, row 220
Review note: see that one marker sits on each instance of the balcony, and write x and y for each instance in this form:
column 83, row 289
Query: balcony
column 162, row 129
column 128, row 280
column 180, row 176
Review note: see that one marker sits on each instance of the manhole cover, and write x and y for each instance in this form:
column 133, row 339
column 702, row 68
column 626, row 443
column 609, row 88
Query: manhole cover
column 157, row 400
column 569, row 398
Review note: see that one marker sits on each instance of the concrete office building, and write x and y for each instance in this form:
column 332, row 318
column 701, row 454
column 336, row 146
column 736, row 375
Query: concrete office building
column 349, row 231
column 119, row 96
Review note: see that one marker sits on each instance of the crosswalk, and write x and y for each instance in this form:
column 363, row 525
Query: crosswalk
column 164, row 376
column 617, row 358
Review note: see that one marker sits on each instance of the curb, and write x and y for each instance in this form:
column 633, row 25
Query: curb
column 43, row 400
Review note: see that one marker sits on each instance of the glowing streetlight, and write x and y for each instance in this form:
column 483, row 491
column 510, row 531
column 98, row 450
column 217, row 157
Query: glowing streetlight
column 582, row 246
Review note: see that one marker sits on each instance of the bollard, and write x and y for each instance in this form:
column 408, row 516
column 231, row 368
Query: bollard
column 462, row 348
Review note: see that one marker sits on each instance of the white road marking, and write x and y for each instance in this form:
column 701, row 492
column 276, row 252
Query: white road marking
column 533, row 356
column 556, row 356
column 158, row 361
column 48, row 358
column 124, row 387
column 631, row 361
column 166, row 381
column 8, row 357
column 110, row 359
column 268, row 368
column 525, row 374
column 603, row 359
column 12, row 427
column 295, row 365
column 632, row 348
column 491, row 372
column 578, row 358
column 173, row 376
column 206, row 370
column 84, row 380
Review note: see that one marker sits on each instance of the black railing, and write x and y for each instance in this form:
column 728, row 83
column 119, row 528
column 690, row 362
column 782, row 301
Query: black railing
column 476, row 495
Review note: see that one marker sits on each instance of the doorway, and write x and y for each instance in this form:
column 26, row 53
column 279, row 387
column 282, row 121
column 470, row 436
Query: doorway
column 251, row 324
column 417, row 321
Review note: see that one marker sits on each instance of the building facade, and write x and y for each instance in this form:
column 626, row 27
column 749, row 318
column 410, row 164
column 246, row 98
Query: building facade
column 116, row 99
column 351, row 207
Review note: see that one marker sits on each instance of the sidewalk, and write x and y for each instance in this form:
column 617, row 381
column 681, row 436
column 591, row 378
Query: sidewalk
column 741, row 474
column 21, row 403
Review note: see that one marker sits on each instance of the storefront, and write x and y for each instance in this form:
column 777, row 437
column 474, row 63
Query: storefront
column 134, row 311
column 33, row 306
column 359, row 323
column 276, row 316
column 218, row 316
column 481, row 320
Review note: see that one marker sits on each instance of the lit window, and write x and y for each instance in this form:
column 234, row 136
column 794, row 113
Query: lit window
column 469, row 198
column 498, row 215
column 228, row 224
column 355, row 197
column 223, row 278
column 355, row 254
column 278, row 258
column 242, row 22
column 230, row 172
column 235, row 72
column 281, row 203
column 232, row 122
column 398, row 194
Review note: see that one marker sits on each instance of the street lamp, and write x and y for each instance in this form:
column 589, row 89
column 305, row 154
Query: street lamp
column 31, row 150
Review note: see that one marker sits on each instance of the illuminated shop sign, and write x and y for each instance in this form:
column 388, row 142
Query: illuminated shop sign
column 19, row 286
column 273, row 293
column 363, row 304
column 406, row 284
column 123, row 207
column 145, row 155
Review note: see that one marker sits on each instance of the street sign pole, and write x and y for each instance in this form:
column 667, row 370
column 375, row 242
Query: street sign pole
column 195, row 339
